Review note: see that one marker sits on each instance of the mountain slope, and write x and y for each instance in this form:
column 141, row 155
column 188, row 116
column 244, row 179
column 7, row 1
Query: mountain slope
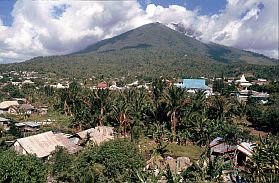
column 153, row 50
column 159, row 36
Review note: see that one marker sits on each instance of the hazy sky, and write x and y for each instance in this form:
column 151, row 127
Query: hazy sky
column 31, row 28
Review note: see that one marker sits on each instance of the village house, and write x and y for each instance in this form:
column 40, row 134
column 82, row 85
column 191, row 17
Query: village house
column 260, row 82
column 41, row 109
column 16, row 83
column 97, row 135
column 241, row 151
column 260, row 97
column 26, row 109
column 21, row 100
column 27, row 82
column 9, row 107
column 193, row 85
column 5, row 123
column 60, row 86
column 42, row 145
column 102, row 85
column 243, row 82
column 28, row 128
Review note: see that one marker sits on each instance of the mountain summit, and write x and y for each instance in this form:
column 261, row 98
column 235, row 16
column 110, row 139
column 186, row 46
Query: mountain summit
column 153, row 35
column 159, row 36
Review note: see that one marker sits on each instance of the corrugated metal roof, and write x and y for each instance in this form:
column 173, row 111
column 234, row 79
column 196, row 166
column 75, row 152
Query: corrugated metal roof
column 3, row 119
column 194, row 84
column 6, row 104
column 102, row 85
column 32, row 124
column 223, row 148
column 19, row 124
column 216, row 141
column 26, row 107
column 43, row 144
column 28, row 123
column 218, row 146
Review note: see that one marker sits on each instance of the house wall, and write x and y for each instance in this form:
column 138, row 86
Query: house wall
column 18, row 148
column 75, row 140
column 5, row 124
column 12, row 111
column 3, row 111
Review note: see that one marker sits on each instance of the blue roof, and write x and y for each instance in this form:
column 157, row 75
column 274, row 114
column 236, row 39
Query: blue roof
column 194, row 84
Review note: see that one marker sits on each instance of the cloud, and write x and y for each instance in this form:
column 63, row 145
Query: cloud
column 61, row 27
column 250, row 25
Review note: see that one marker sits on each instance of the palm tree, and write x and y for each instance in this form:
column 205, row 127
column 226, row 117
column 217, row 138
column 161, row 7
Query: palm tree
column 81, row 115
column 100, row 104
column 198, row 101
column 137, row 106
column 175, row 100
column 217, row 107
column 202, row 128
column 120, row 110
column 238, row 108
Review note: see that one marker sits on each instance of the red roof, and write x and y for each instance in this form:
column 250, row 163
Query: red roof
column 102, row 85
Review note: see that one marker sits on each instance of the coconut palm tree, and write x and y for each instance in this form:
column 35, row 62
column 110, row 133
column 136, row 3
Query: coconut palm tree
column 197, row 102
column 100, row 104
column 218, row 107
column 138, row 105
column 175, row 99
column 120, row 113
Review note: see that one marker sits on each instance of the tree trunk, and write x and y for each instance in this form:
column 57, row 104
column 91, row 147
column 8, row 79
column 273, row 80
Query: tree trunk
column 173, row 123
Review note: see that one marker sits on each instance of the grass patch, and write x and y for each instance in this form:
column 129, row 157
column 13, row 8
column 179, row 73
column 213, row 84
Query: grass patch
column 174, row 150
column 191, row 151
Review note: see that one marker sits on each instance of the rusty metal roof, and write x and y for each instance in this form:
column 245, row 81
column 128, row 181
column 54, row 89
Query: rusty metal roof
column 43, row 144
column 217, row 145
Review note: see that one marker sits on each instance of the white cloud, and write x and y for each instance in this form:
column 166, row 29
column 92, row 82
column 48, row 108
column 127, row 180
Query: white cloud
column 250, row 25
column 37, row 31
column 60, row 27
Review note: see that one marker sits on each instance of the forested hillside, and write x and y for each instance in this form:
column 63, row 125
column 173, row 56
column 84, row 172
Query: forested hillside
column 153, row 50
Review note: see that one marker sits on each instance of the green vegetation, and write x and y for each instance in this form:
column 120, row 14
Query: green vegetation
column 171, row 149
column 165, row 121
column 21, row 168
column 263, row 167
column 113, row 161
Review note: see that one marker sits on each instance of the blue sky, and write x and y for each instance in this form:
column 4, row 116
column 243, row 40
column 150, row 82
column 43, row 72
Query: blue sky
column 205, row 7
column 54, row 27
column 6, row 7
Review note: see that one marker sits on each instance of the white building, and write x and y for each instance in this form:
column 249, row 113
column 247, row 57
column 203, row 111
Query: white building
column 243, row 82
